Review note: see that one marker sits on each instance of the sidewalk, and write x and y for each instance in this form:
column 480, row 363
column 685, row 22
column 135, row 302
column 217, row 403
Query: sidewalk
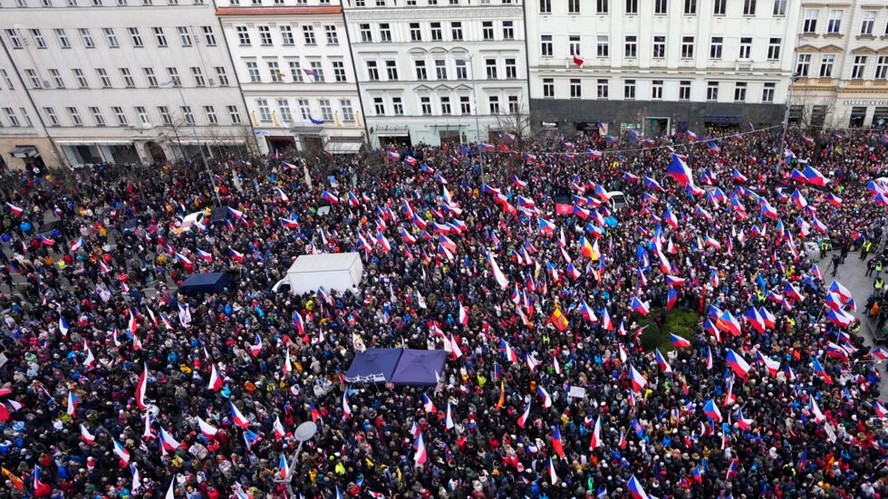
column 852, row 274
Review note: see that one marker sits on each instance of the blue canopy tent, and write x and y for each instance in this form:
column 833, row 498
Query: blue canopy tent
column 374, row 365
column 420, row 367
column 213, row 282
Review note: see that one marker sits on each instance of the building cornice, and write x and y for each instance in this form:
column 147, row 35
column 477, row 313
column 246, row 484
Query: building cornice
column 278, row 11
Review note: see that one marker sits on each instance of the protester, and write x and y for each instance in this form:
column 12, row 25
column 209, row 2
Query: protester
column 115, row 385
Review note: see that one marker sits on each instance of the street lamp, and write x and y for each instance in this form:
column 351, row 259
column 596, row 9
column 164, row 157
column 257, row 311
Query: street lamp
column 782, row 151
column 477, row 125
column 303, row 433
column 203, row 157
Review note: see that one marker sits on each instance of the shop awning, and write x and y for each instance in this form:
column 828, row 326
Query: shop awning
column 349, row 147
column 393, row 133
column 24, row 152
column 94, row 142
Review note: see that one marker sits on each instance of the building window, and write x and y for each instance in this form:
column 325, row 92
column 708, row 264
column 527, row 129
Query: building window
column 490, row 66
column 493, row 104
column 379, row 106
column 745, row 47
column 348, row 112
column 576, row 88
column 87, row 38
column 684, row 90
column 659, row 46
column 51, row 116
column 712, row 91
column 465, row 106
column 881, row 68
column 40, row 41
column 826, row 65
column 233, row 115
column 80, row 77
column 372, row 71
column 441, row 69
column 748, row 7
column 657, row 90
column 74, row 114
column 511, row 69
column 774, row 48
column 600, row 6
column 631, row 48
column 602, row 89
column 690, row 7
column 150, row 77
column 209, row 36
column 858, row 67
column 160, row 37
column 513, row 104
column 33, row 77
column 425, row 105
column 573, row 6
column 397, row 106
column 719, row 7
column 415, row 32
column 264, row 111
column 58, row 80
column 803, row 65
column 629, row 89
column 331, row 34
column 456, row 31
column 173, row 74
column 62, row 37
column 421, row 73
column 209, row 111
column 487, row 30
column 768, row 92
column 740, row 91
column 253, row 71
column 165, row 117
column 834, row 25
column 264, row 35
column 128, row 80
column 437, row 32
column 545, row 6
column 308, row 32
column 287, row 35
column 189, row 116
column 200, row 81
column 7, row 79
column 119, row 115
column 317, row 71
column 10, row 115
column 338, row 71
column 135, row 38
column 366, row 33
column 632, row 6
column 687, row 47
column 715, row 49
column 810, row 24
column 601, row 46
column 103, row 77
column 548, row 87
column 326, row 110
column 574, row 44
column 461, row 72
column 243, row 35
column 779, row 7
column 445, row 105
column 868, row 22
column 391, row 69
column 110, row 37
column 546, row 45
column 98, row 118
column 385, row 32
column 185, row 36
column 661, row 7
column 295, row 71
column 508, row 30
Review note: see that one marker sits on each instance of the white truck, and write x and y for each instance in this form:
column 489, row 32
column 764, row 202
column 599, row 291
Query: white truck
column 339, row 271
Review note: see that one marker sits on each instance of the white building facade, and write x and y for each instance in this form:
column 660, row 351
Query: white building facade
column 23, row 138
column 660, row 65
column 842, row 65
column 126, row 81
column 293, row 63
column 439, row 71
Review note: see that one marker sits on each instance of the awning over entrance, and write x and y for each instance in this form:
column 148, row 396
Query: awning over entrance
column 343, row 147
column 24, row 152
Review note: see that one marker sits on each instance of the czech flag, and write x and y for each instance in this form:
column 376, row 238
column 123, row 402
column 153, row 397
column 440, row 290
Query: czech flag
column 661, row 361
column 678, row 170
column 76, row 245
column 639, row 306
column 711, row 411
column 121, row 452
column 739, row 177
column 553, row 477
column 814, row 177
column 837, row 288
column 73, row 400
column 86, row 436
column 510, row 354
column 329, row 197
column 208, row 257
column 237, row 417
column 737, row 363
column 236, row 255
column 556, row 442
column 595, row 439
column 421, row 456
column 207, row 429
column 638, row 381
column 522, row 420
column 216, row 381
column 679, row 342
column 169, row 443
column 547, row 399
column 140, row 388
column 283, row 468
column 671, row 298
column 236, row 214
column 547, row 226
column 635, row 489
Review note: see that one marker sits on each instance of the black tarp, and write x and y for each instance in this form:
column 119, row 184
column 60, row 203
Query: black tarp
column 420, row 367
column 374, row 365
column 212, row 282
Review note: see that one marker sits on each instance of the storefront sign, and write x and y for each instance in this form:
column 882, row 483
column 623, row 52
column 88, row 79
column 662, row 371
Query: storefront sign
column 866, row 103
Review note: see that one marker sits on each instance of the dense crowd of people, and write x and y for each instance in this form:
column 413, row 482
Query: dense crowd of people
column 509, row 256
